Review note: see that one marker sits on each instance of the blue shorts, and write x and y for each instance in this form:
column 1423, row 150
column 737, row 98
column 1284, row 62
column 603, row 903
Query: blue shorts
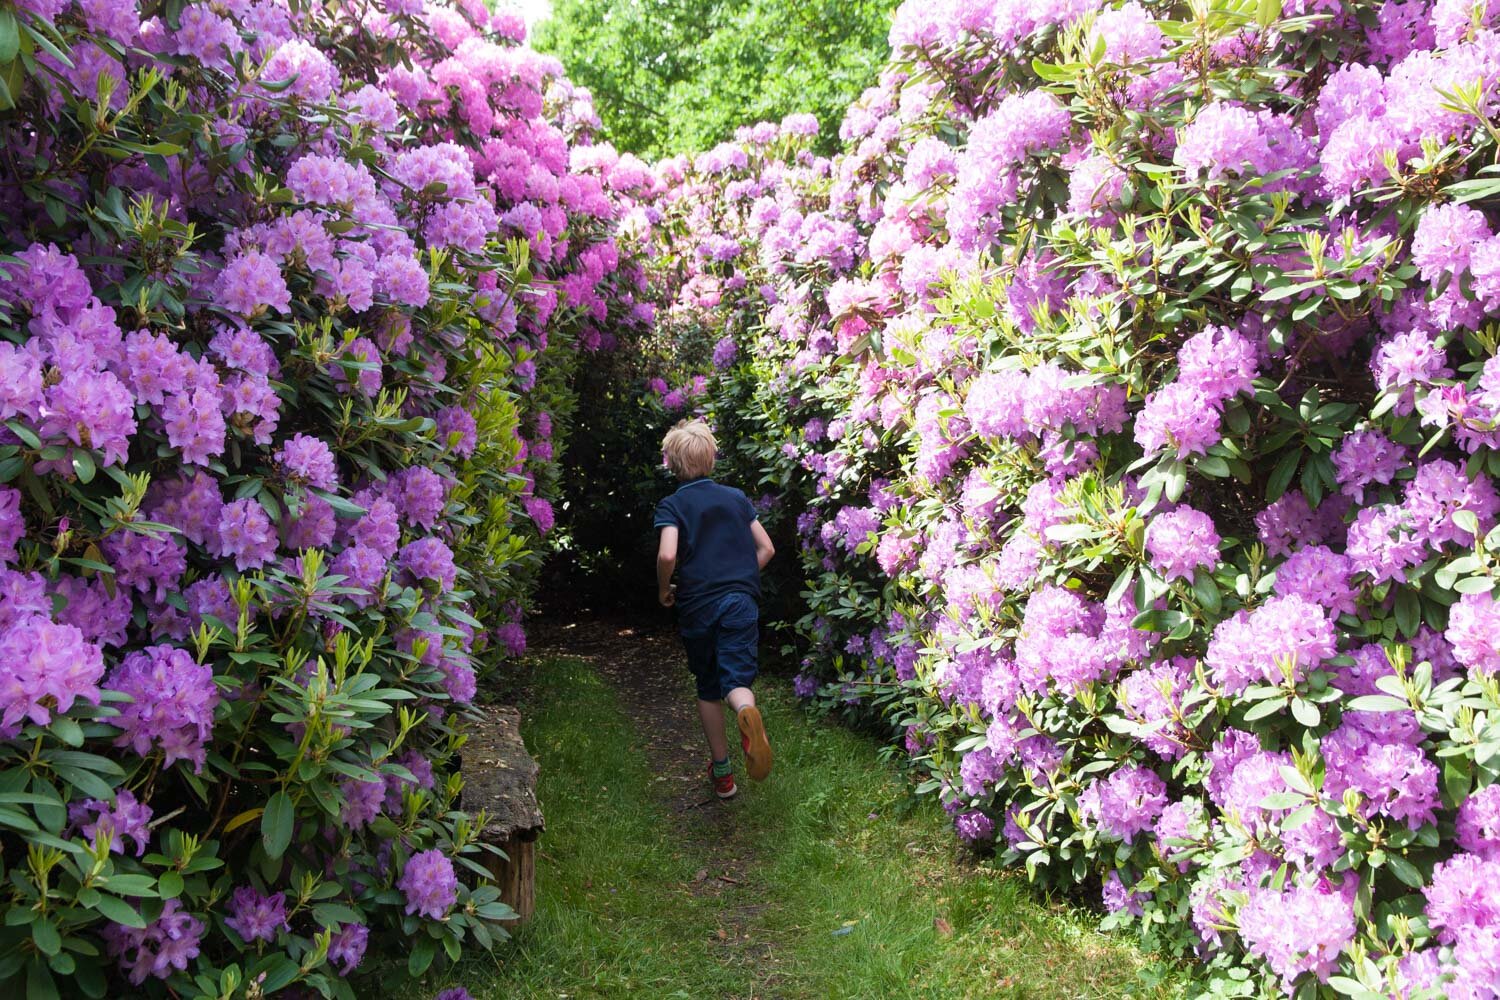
column 722, row 643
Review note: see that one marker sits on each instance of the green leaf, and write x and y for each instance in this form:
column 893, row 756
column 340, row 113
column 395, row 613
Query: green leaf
column 1071, row 532
column 39, row 982
column 1281, row 476
column 279, row 972
column 10, row 35
column 151, row 148
column 1282, row 800
column 170, row 884
column 48, row 940
column 332, row 914
column 1456, row 779
column 1175, row 478
column 1408, row 612
column 1305, row 712
column 340, row 504
column 1378, row 703
column 421, row 956
column 131, row 885
column 1405, row 871
column 1054, row 74
column 121, row 912
column 83, row 465
column 1213, row 465
column 68, row 730
column 86, row 781
column 1473, row 190
column 26, row 434
column 1158, row 620
column 1118, row 588
column 1354, row 989
column 276, row 825
column 1263, row 709
column 1206, row 590
column 1299, row 816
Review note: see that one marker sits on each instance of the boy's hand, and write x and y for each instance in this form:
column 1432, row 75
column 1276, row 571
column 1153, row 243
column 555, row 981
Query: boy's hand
column 668, row 597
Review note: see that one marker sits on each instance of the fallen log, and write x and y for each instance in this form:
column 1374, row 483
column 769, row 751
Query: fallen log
column 500, row 780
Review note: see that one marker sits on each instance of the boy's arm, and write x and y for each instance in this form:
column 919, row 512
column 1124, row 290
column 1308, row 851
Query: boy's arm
column 764, row 550
column 666, row 564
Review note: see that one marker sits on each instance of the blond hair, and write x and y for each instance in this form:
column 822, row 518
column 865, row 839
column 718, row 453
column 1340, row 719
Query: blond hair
column 690, row 449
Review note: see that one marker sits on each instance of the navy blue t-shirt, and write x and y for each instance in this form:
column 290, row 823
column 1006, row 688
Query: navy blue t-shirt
column 715, row 549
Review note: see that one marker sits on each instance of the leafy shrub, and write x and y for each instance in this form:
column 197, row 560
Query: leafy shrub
column 291, row 298
column 1133, row 364
column 673, row 77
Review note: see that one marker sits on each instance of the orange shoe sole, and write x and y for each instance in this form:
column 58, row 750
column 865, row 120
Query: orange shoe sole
column 753, row 739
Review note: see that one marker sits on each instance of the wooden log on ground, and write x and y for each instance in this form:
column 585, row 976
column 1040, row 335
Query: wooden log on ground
column 500, row 780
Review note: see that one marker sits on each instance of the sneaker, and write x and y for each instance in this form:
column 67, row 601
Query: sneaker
column 753, row 741
column 724, row 787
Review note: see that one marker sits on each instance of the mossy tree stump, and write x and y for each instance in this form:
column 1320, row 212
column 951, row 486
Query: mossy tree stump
column 500, row 781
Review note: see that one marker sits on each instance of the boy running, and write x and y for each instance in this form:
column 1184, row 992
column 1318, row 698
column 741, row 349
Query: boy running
column 712, row 539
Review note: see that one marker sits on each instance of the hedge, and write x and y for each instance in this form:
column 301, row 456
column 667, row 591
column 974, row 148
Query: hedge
column 1130, row 379
column 292, row 296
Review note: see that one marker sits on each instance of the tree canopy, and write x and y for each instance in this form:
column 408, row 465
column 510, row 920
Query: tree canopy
column 672, row 76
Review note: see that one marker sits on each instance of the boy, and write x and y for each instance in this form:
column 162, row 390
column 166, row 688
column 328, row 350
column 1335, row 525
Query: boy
column 710, row 536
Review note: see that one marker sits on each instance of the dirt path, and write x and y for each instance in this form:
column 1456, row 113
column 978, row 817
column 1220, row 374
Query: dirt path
column 647, row 669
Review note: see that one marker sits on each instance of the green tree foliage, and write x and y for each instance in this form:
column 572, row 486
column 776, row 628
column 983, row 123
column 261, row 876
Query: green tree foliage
column 673, row 76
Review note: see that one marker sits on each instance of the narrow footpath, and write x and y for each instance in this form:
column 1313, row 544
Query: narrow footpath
column 829, row 880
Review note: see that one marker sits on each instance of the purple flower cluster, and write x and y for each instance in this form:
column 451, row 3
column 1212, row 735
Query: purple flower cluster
column 128, row 817
column 1183, row 541
column 428, row 559
column 429, row 884
column 1227, row 140
column 1126, row 803
column 347, row 947
column 989, row 172
column 171, row 707
column 256, row 916
column 1153, row 697
column 309, row 461
column 1474, row 631
column 44, row 669
column 162, row 946
column 1392, row 776
column 1465, row 914
column 1286, row 638
column 1479, row 822
column 1303, row 929
column 1183, row 417
column 246, row 535
column 974, row 826
column 540, row 512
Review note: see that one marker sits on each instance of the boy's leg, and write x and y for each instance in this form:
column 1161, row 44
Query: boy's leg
column 711, row 714
column 739, row 661
column 701, row 642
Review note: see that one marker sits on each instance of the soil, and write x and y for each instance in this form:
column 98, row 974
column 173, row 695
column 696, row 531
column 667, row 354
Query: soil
column 645, row 664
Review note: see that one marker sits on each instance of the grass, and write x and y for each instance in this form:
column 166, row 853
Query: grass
column 847, row 888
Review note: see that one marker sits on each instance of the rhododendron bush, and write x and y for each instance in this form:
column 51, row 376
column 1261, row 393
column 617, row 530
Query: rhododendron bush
column 1131, row 382
column 291, row 296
